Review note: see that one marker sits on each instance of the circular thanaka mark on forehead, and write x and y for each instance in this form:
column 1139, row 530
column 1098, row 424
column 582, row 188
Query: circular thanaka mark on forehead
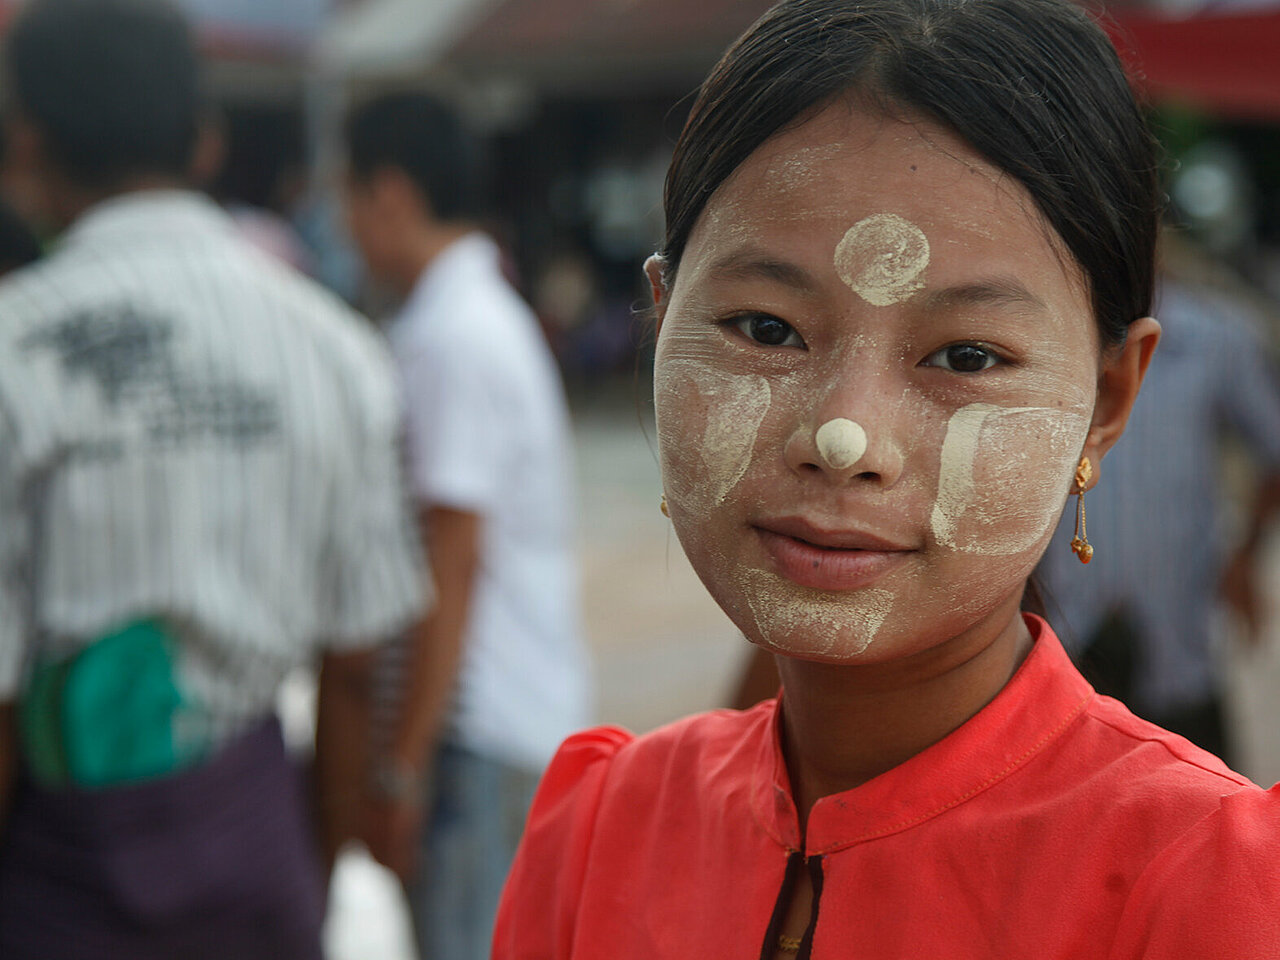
column 882, row 258
column 841, row 443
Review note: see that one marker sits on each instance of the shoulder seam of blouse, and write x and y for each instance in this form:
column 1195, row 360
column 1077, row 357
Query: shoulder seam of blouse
column 1234, row 778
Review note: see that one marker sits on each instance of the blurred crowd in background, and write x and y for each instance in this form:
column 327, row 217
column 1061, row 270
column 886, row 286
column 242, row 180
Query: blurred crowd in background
column 575, row 104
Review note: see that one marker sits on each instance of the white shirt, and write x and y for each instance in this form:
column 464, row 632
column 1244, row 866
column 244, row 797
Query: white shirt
column 488, row 433
column 190, row 431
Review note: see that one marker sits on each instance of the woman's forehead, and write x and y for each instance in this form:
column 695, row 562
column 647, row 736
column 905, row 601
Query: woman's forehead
column 846, row 177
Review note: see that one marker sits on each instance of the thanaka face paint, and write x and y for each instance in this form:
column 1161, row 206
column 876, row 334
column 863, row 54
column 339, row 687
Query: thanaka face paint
column 979, row 508
column 730, row 409
column 882, row 257
column 819, row 620
column 841, row 443
column 898, row 245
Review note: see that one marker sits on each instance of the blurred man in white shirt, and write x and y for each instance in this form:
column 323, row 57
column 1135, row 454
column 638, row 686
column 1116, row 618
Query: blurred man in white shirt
column 498, row 673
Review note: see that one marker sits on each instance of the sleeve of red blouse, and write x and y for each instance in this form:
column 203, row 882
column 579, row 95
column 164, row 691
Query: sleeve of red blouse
column 539, row 906
column 1215, row 893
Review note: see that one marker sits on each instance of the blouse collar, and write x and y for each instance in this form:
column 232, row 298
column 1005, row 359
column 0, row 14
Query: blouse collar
column 1042, row 699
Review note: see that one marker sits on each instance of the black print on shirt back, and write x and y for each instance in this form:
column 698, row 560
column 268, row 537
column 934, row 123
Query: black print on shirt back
column 130, row 355
column 118, row 348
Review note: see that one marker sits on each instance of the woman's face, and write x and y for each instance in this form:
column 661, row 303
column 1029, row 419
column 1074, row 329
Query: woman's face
column 875, row 375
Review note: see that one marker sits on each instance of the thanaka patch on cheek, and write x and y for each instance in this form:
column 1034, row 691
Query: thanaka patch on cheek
column 882, row 258
column 1003, row 476
column 841, row 443
column 730, row 409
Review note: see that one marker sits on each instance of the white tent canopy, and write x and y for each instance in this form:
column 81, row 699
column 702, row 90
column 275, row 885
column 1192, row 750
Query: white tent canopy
column 380, row 37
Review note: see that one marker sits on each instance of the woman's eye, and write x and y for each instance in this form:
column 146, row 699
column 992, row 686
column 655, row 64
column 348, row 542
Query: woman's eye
column 964, row 358
column 768, row 330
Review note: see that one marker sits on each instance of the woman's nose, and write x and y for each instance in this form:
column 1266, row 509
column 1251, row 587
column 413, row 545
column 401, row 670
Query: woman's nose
column 842, row 449
column 841, row 443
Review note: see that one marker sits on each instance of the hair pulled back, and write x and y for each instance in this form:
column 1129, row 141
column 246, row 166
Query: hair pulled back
column 1034, row 86
column 426, row 139
column 112, row 85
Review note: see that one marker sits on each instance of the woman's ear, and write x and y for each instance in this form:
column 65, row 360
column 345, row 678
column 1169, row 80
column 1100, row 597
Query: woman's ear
column 654, row 269
column 1118, row 386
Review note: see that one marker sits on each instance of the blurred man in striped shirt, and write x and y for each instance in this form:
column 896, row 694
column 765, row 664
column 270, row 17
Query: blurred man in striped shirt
column 199, row 491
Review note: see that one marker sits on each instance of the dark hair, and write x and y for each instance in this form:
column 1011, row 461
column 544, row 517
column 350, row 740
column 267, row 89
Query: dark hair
column 112, row 86
column 18, row 243
column 1034, row 86
column 426, row 139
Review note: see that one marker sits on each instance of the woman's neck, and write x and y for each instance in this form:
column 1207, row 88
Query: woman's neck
column 844, row 725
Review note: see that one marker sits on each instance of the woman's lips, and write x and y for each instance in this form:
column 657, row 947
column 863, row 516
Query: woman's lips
column 828, row 561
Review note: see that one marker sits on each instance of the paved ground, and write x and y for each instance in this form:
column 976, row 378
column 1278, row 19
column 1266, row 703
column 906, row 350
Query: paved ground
column 663, row 649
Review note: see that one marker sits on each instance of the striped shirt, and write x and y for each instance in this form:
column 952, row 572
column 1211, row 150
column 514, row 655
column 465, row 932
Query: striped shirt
column 192, row 432
column 1155, row 517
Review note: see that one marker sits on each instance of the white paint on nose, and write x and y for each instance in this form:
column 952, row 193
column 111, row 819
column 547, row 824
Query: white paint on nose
column 841, row 443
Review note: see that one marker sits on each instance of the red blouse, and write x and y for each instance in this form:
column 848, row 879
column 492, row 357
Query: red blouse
column 1053, row 824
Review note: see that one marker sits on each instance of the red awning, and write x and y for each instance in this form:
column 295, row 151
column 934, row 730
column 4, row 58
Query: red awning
column 1226, row 63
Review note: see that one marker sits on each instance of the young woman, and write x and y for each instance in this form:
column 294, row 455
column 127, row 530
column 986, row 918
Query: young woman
column 904, row 302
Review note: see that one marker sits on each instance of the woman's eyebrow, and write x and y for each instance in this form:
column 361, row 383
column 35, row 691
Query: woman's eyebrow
column 990, row 292
column 754, row 264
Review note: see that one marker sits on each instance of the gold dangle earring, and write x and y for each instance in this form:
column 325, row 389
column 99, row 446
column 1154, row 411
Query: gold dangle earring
column 1080, row 542
column 662, row 505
